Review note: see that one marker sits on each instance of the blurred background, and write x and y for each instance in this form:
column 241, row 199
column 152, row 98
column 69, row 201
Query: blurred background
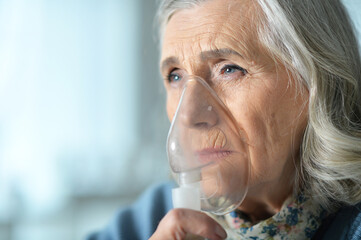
column 82, row 115
column 82, row 120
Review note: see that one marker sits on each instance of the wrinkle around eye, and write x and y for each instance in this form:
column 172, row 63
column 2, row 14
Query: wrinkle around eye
column 229, row 71
column 175, row 77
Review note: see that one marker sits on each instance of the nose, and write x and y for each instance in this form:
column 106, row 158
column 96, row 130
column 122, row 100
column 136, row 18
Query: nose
column 197, row 107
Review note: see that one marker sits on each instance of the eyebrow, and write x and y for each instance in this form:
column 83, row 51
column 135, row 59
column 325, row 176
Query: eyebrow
column 219, row 53
column 216, row 53
column 169, row 62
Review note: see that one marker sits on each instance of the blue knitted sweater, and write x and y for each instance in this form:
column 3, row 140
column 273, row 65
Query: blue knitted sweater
column 140, row 220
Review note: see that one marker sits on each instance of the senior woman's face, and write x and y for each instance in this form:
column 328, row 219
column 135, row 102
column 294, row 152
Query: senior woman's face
column 217, row 41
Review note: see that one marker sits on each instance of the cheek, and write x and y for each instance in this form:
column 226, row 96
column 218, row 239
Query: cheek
column 261, row 140
column 271, row 118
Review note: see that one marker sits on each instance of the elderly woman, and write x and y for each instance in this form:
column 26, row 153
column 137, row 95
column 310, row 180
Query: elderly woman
column 289, row 72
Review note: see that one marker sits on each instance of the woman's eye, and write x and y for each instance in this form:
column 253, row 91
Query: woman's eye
column 174, row 76
column 233, row 69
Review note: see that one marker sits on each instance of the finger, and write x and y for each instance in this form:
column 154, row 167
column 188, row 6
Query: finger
column 193, row 237
column 180, row 222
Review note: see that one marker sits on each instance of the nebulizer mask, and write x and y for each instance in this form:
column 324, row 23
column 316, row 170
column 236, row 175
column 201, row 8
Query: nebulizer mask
column 207, row 151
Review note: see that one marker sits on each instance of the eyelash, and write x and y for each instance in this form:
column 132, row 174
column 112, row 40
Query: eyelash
column 171, row 74
column 222, row 71
column 233, row 66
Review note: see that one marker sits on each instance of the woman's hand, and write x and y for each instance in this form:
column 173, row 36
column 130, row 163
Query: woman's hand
column 180, row 223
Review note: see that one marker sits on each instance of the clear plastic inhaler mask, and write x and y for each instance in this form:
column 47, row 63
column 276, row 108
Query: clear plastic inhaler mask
column 207, row 153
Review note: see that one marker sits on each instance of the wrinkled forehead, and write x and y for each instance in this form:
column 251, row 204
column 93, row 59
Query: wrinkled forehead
column 213, row 24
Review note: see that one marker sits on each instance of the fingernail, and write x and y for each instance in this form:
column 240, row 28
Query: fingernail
column 220, row 232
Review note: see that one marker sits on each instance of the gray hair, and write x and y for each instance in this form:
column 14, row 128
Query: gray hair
column 316, row 41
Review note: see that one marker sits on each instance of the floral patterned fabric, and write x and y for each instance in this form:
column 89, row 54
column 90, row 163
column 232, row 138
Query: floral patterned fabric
column 299, row 218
